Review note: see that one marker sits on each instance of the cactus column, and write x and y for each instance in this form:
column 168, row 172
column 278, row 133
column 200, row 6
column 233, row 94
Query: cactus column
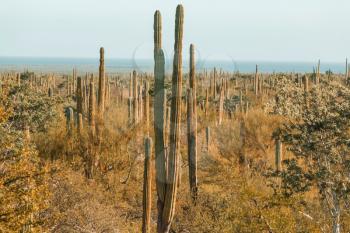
column 174, row 146
column 79, row 97
column 101, row 84
column 147, row 187
column 192, row 127
column 92, row 109
column 159, row 117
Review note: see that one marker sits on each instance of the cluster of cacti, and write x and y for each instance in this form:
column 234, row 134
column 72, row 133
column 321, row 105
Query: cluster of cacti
column 167, row 164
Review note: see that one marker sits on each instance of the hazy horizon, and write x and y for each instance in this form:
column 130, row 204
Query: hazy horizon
column 253, row 30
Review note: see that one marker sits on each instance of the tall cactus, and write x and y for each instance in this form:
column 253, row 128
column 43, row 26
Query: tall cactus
column 147, row 105
column 167, row 186
column 346, row 70
column 101, row 83
column 92, row 110
column 135, row 97
column 318, row 73
column 192, row 127
column 174, row 146
column 256, row 81
column 306, row 84
column 79, row 96
column 159, row 117
column 147, row 187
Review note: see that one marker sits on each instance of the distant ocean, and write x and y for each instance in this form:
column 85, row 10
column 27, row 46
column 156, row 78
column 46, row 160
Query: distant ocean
column 83, row 65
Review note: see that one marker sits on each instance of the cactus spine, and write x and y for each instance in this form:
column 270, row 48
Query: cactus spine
column 101, row 83
column 192, row 127
column 147, row 187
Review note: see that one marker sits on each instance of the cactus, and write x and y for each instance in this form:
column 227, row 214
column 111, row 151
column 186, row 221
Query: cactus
column 346, row 71
column 242, row 136
column 214, row 84
column 221, row 106
column 92, row 108
column 101, row 84
column 278, row 154
column 174, row 142
column 147, row 187
column 70, row 120
column 306, row 84
column 192, row 127
column 147, row 106
column 167, row 190
column 80, row 123
column 159, row 118
column 207, row 137
column 318, row 73
column 135, row 98
column 256, row 81
column 206, row 102
column 79, row 96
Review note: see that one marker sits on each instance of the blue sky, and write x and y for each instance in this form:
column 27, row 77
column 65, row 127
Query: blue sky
column 263, row 30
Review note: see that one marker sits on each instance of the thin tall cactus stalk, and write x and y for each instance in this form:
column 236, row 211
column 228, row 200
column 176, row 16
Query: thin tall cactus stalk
column 147, row 187
column 346, row 70
column 79, row 96
column 92, row 111
column 80, row 123
column 192, row 127
column 206, row 102
column 207, row 137
column 135, row 98
column 256, row 81
column 221, row 106
column 147, row 106
column 318, row 72
column 101, row 84
column 214, row 84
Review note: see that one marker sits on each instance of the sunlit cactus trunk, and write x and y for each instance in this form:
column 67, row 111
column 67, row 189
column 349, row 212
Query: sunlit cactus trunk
column 346, row 71
column 206, row 102
column 214, row 84
column 101, row 84
column 207, row 137
column 135, row 98
column 318, row 73
column 192, row 127
column 221, row 106
column 92, row 111
column 147, row 106
column 256, row 81
column 147, row 187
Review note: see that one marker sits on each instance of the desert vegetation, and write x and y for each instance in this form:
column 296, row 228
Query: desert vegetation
column 188, row 151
